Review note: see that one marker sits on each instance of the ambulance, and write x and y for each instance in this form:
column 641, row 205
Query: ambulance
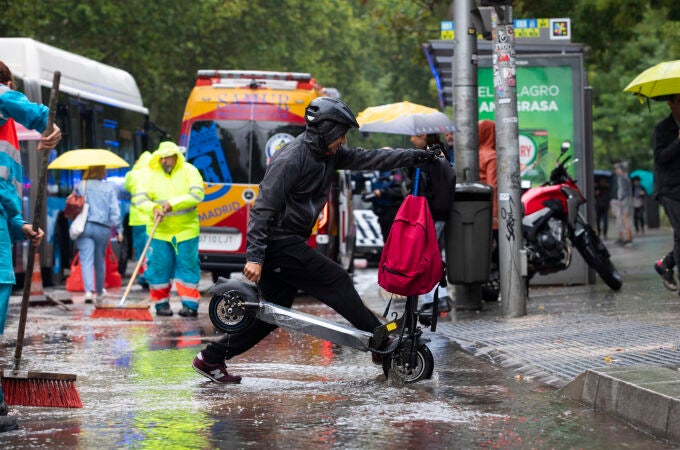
column 234, row 122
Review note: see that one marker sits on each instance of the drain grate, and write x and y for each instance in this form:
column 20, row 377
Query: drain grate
column 557, row 348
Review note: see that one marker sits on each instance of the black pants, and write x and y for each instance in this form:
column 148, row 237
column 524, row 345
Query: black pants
column 386, row 215
column 672, row 208
column 290, row 265
column 602, row 214
column 639, row 218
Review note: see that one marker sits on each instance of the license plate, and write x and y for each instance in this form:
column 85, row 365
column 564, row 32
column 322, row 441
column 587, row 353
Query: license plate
column 219, row 241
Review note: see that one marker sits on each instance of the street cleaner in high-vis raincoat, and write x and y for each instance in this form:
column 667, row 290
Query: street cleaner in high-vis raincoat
column 15, row 106
column 138, row 220
column 172, row 190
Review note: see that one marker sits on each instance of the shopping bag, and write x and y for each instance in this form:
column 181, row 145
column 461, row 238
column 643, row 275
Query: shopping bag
column 112, row 279
column 74, row 283
column 78, row 224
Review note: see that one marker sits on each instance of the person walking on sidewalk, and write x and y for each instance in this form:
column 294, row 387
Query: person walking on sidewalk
column 134, row 180
column 624, row 195
column 295, row 188
column 639, row 195
column 667, row 185
column 435, row 195
column 171, row 193
column 15, row 106
column 104, row 213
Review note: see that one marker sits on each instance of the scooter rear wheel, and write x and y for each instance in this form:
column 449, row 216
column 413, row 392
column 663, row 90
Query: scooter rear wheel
column 396, row 363
column 227, row 312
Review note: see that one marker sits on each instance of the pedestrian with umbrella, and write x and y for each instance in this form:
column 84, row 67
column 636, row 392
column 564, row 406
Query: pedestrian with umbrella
column 102, row 214
column 662, row 83
column 667, row 185
column 424, row 126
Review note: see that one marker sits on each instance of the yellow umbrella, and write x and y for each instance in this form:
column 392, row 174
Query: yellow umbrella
column 404, row 118
column 660, row 80
column 84, row 158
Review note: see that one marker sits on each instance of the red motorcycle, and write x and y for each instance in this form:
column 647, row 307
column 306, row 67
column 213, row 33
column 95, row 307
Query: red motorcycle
column 552, row 225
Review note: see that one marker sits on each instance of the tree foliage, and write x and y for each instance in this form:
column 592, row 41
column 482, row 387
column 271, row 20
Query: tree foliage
column 369, row 49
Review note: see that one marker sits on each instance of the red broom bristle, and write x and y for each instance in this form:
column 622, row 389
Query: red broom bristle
column 140, row 314
column 37, row 392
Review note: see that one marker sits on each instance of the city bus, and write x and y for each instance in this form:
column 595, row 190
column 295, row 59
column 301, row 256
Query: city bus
column 234, row 122
column 99, row 107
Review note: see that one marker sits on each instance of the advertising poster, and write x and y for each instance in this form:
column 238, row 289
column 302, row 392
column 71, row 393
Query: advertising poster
column 545, row 108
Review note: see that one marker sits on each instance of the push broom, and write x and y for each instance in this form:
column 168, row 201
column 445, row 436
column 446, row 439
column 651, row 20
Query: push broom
column 26, row 387
column 123, row 311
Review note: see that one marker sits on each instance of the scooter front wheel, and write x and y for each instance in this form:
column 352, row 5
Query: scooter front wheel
column 398, row 364
column 228, row 312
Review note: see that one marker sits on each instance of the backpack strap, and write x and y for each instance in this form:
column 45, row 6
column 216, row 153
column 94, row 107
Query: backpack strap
column 416, row 182
column 435, row 304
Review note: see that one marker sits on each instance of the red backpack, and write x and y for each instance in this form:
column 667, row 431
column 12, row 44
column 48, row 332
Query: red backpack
column 411, row 262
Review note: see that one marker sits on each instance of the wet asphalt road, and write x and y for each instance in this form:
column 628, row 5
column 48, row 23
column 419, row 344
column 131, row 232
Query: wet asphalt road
column 139, row 391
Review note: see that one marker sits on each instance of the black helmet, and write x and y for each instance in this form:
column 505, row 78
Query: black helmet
column 326, row 108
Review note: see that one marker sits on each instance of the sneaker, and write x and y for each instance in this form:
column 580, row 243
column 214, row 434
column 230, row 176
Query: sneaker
column 667, row 276
column 188, row 312
column 628, row 243
column 8, row 423
column 216, row 372
column 89, row 296
column 164, row 310
column 101, row 296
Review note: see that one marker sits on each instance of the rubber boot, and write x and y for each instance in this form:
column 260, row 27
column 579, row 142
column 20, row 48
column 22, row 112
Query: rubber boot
column 8, row 423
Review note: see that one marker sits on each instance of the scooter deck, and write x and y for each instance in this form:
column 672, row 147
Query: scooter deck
column 329, row 330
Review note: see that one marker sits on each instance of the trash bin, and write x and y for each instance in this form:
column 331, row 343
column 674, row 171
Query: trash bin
column 468, row 234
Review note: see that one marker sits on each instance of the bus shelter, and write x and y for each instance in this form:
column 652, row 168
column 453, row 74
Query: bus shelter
column 553, row 104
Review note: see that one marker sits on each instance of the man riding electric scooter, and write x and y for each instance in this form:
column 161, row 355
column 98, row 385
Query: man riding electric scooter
column 294, row 190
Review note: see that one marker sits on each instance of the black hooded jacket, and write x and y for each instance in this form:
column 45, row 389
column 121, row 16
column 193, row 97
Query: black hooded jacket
column 667, row 159
column 297, row 184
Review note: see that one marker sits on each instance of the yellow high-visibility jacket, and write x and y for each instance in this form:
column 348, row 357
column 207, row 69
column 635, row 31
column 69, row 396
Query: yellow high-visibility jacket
column 134, row 181
column 182, row 188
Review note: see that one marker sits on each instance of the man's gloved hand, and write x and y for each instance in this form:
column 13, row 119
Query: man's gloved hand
column 437, row 149
column 426, row 156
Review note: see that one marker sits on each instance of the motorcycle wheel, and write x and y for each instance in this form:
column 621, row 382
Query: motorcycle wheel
column 596, row 255
column 395, row 364
column 228, row 314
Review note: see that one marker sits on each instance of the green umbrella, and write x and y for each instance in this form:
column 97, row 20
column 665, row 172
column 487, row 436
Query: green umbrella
column 646, row 179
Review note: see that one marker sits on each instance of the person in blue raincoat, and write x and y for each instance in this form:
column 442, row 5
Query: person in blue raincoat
column 15, row 106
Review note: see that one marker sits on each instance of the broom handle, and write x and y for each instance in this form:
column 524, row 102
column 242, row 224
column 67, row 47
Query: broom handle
column 37, row 215
column 140, row 260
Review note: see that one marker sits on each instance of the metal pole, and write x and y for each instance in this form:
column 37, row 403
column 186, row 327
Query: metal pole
column 464, row 65
column 513, row 285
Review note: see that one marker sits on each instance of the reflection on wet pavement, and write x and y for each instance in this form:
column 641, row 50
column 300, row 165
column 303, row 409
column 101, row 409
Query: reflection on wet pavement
column 139, row 390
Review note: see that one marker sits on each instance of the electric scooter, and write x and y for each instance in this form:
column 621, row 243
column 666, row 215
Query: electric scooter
column 235, row 305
